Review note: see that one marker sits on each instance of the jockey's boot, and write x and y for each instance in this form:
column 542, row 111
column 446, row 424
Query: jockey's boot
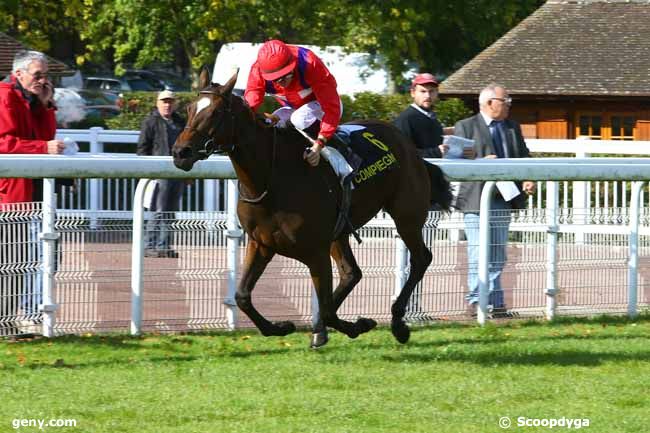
column 313, row 129
column 342, row 144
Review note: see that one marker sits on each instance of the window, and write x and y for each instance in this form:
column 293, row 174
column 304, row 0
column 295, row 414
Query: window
column 606, row 126
column 590, row 126
column 622, row 127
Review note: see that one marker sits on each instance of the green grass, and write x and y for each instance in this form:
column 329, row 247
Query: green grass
column 446, row 379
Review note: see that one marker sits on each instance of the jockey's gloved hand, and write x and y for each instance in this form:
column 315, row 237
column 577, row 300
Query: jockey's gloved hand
column 312, row 154
column 271, row 119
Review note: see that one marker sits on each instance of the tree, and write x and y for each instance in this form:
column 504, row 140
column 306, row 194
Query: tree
column 433, row 35
column 43, row 25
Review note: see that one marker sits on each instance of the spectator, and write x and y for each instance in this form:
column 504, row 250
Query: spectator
column 494, row 137
column 157, row 136
column 27, row 126
column 419, row 122
column 303, row 85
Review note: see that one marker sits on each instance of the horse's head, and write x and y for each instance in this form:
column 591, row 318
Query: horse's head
column 210, row 124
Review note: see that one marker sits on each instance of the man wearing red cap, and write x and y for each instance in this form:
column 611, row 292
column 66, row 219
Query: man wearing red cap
column 419, row 121
column 301, row 82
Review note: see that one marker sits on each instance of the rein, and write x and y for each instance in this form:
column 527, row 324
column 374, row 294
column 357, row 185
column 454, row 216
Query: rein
column 259, row 198
column 209, row 148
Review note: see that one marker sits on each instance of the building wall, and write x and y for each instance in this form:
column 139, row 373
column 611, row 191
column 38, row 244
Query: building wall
column 607, row 120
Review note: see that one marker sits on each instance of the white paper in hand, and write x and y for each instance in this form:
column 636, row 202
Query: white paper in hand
column 508, row 189
column 71, row 146
column 456, row 145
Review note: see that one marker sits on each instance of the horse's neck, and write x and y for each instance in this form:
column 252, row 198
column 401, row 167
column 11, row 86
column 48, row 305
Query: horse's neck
column 253, row 163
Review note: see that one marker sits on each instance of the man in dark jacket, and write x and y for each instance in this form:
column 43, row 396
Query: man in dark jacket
column 157, row 136
column 419, row 122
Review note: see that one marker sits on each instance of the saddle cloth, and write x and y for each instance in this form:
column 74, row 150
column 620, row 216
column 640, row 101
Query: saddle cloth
column 370, row 156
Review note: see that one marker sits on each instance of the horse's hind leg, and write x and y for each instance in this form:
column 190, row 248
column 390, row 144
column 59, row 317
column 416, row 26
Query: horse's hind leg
column 420, row 259
column 349, row 270
column 257, row 257
column 321, row 273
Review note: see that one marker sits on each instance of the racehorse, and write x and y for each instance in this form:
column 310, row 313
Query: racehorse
column 288, row 207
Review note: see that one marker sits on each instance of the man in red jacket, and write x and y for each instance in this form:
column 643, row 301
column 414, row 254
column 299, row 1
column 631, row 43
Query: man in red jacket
column 27, row 121
column 27, row 125
column 301, row 82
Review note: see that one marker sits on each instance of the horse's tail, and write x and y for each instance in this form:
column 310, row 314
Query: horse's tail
column 440, row 187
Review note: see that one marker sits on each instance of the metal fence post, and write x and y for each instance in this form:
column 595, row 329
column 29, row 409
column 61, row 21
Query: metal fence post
column 233, row 235
column 95, row 186
column 401, row 265
column 484, row 252
column 137, row 257
column 49, row 238
column 581, row 198
column 552, row 197
column 210, row 195
column 633, row 263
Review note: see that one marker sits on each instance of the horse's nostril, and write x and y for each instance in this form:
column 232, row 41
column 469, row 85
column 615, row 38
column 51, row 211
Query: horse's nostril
column 185, row 152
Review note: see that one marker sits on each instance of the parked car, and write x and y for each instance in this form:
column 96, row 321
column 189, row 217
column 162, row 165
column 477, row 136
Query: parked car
column 83, row 108
column 160, row 80
column 114, row 84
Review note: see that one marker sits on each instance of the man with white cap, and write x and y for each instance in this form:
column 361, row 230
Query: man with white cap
column 157, row 136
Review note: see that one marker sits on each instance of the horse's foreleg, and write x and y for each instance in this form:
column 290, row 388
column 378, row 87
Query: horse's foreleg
column 321, row 273
column 349, row 277
column 420, row 259
column 257, row 257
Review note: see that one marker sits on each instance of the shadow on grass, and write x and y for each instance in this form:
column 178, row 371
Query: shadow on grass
column 487, row 346
column 491, row 357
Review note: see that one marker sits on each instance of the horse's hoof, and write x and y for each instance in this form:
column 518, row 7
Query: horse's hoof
column 401, row 332
column 364, row 324
column 318, row 339
column 284, row 328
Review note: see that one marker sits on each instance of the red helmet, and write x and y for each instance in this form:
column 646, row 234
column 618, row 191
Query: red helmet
column 275, row 60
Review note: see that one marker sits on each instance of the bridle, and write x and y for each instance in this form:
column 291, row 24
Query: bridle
column 208, row 147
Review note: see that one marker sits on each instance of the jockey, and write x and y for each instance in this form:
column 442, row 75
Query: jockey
column 304, row 86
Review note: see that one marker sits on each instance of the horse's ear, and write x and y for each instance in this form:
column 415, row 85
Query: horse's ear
column 227, row 88
column 204, row 78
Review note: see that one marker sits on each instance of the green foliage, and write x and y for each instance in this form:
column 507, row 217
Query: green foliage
column 447, row 379
column 138, row 105
column 451, row 111
column 365, row 105
column 435, row 35
column 368, row 105
column 40, row 24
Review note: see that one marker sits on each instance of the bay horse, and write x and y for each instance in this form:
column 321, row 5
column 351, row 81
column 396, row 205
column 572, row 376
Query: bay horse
column 288, row 207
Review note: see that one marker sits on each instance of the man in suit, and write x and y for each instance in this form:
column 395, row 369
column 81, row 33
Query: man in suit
column 494, row 137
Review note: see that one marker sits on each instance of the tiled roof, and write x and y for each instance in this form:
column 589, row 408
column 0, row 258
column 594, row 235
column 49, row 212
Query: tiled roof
column 8, row 48
column 587, row 47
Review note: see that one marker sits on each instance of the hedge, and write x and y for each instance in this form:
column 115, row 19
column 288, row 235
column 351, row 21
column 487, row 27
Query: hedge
column 365, row 105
